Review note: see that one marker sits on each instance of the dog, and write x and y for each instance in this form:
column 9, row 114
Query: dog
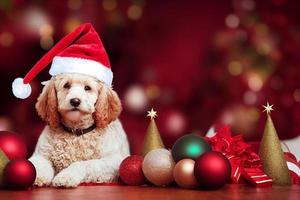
column 84, row 140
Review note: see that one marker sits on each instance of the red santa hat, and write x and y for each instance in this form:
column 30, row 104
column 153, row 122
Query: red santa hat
column 81, row 51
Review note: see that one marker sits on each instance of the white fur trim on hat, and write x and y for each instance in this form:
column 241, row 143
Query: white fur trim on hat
column 62, row 65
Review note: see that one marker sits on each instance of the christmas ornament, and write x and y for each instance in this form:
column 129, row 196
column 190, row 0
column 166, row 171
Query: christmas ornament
column 184, row 174
column 19, row 174
column 158, row 167
column 189, row 146
column 271, row 154
column 12, row 145
column 212, row 170
column 3, row 162
column 152, row 139
column 131, row 172
column 81, row 51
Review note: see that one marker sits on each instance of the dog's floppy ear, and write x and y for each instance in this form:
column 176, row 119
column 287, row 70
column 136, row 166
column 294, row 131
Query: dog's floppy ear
column 108, row 107
column 46, row 105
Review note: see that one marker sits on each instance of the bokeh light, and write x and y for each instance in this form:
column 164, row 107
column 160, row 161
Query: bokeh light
column 135, row 99
column 109, row 5
column 134, row 12
column 232, row 21
column 6, row 39
column 255, row 82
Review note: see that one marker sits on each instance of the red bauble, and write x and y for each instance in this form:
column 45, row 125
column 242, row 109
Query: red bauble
column 131, row 172
column 12, row 145
column 19, row 174
column 212, row 170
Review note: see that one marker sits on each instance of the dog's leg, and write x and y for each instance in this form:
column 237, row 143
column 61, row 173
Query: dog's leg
column 71, row 176
column 102, row 170
column 44, row 170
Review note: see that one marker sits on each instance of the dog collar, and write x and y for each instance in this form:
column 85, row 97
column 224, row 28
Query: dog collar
column 78, row 131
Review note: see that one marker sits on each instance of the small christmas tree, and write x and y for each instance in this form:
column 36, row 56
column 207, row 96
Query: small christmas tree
column 152, row 139
column 271, row 154
column 3, row 161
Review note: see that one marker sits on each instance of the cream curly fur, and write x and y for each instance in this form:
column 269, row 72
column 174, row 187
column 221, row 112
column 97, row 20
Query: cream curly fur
column 63, row 159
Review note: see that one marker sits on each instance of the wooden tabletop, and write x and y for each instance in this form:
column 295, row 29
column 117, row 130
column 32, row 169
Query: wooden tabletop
column 234, row 192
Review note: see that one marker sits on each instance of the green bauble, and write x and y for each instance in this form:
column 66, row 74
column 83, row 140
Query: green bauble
column 189, row 146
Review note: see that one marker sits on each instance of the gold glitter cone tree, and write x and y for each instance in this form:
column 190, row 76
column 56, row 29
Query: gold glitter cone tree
column 152, row 139
column 3, row 161
column 271, row 154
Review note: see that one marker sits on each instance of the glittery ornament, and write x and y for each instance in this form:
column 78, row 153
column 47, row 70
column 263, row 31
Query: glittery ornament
column 158, row 167
column 131, row 172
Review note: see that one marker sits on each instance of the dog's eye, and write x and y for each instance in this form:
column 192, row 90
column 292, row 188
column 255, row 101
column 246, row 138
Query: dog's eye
column 67, row 85
column 87, row 88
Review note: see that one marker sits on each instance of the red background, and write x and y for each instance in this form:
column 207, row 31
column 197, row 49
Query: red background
column 198, row 63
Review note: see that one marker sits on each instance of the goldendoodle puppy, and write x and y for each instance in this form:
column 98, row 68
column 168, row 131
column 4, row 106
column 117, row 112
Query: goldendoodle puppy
column 84, row 141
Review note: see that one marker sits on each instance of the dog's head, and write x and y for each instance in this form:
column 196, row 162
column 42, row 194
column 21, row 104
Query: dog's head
column 73, row 97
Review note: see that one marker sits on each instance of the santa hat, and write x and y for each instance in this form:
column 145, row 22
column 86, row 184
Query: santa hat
column 81, row 51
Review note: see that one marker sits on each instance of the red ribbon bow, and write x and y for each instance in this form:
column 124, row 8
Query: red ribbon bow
column 244, row 161
column 293, row 166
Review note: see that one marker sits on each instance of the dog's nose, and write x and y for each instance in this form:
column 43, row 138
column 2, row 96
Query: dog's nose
column 75, row 102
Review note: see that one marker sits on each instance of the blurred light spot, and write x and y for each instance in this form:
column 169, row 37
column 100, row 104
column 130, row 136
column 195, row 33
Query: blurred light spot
column 74, row 4
column 5, row 124
column 297, row 95
column 264, row 48
column 235, row 68
column 134, row 12
column 248, row 4
column 46, row 42
column 135, row 99
column 176, row 123
column 109, row 5
column 250, row 98
column 255, row 83
column 35, row 18
column 116, row 19
column 46, row 30
column 227, row 118
column 6, row 39
column 71, row 24
column 153, row 91
column 232, row 21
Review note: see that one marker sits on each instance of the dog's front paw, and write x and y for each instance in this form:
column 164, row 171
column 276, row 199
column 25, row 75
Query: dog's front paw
column 44, row 171
column 66, row 179
column 41, row 181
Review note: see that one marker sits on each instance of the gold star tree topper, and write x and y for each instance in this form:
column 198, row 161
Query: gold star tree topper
column 152, row 114
column 268, row 108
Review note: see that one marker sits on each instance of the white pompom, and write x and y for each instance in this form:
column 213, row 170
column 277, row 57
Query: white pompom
column 21, row 90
